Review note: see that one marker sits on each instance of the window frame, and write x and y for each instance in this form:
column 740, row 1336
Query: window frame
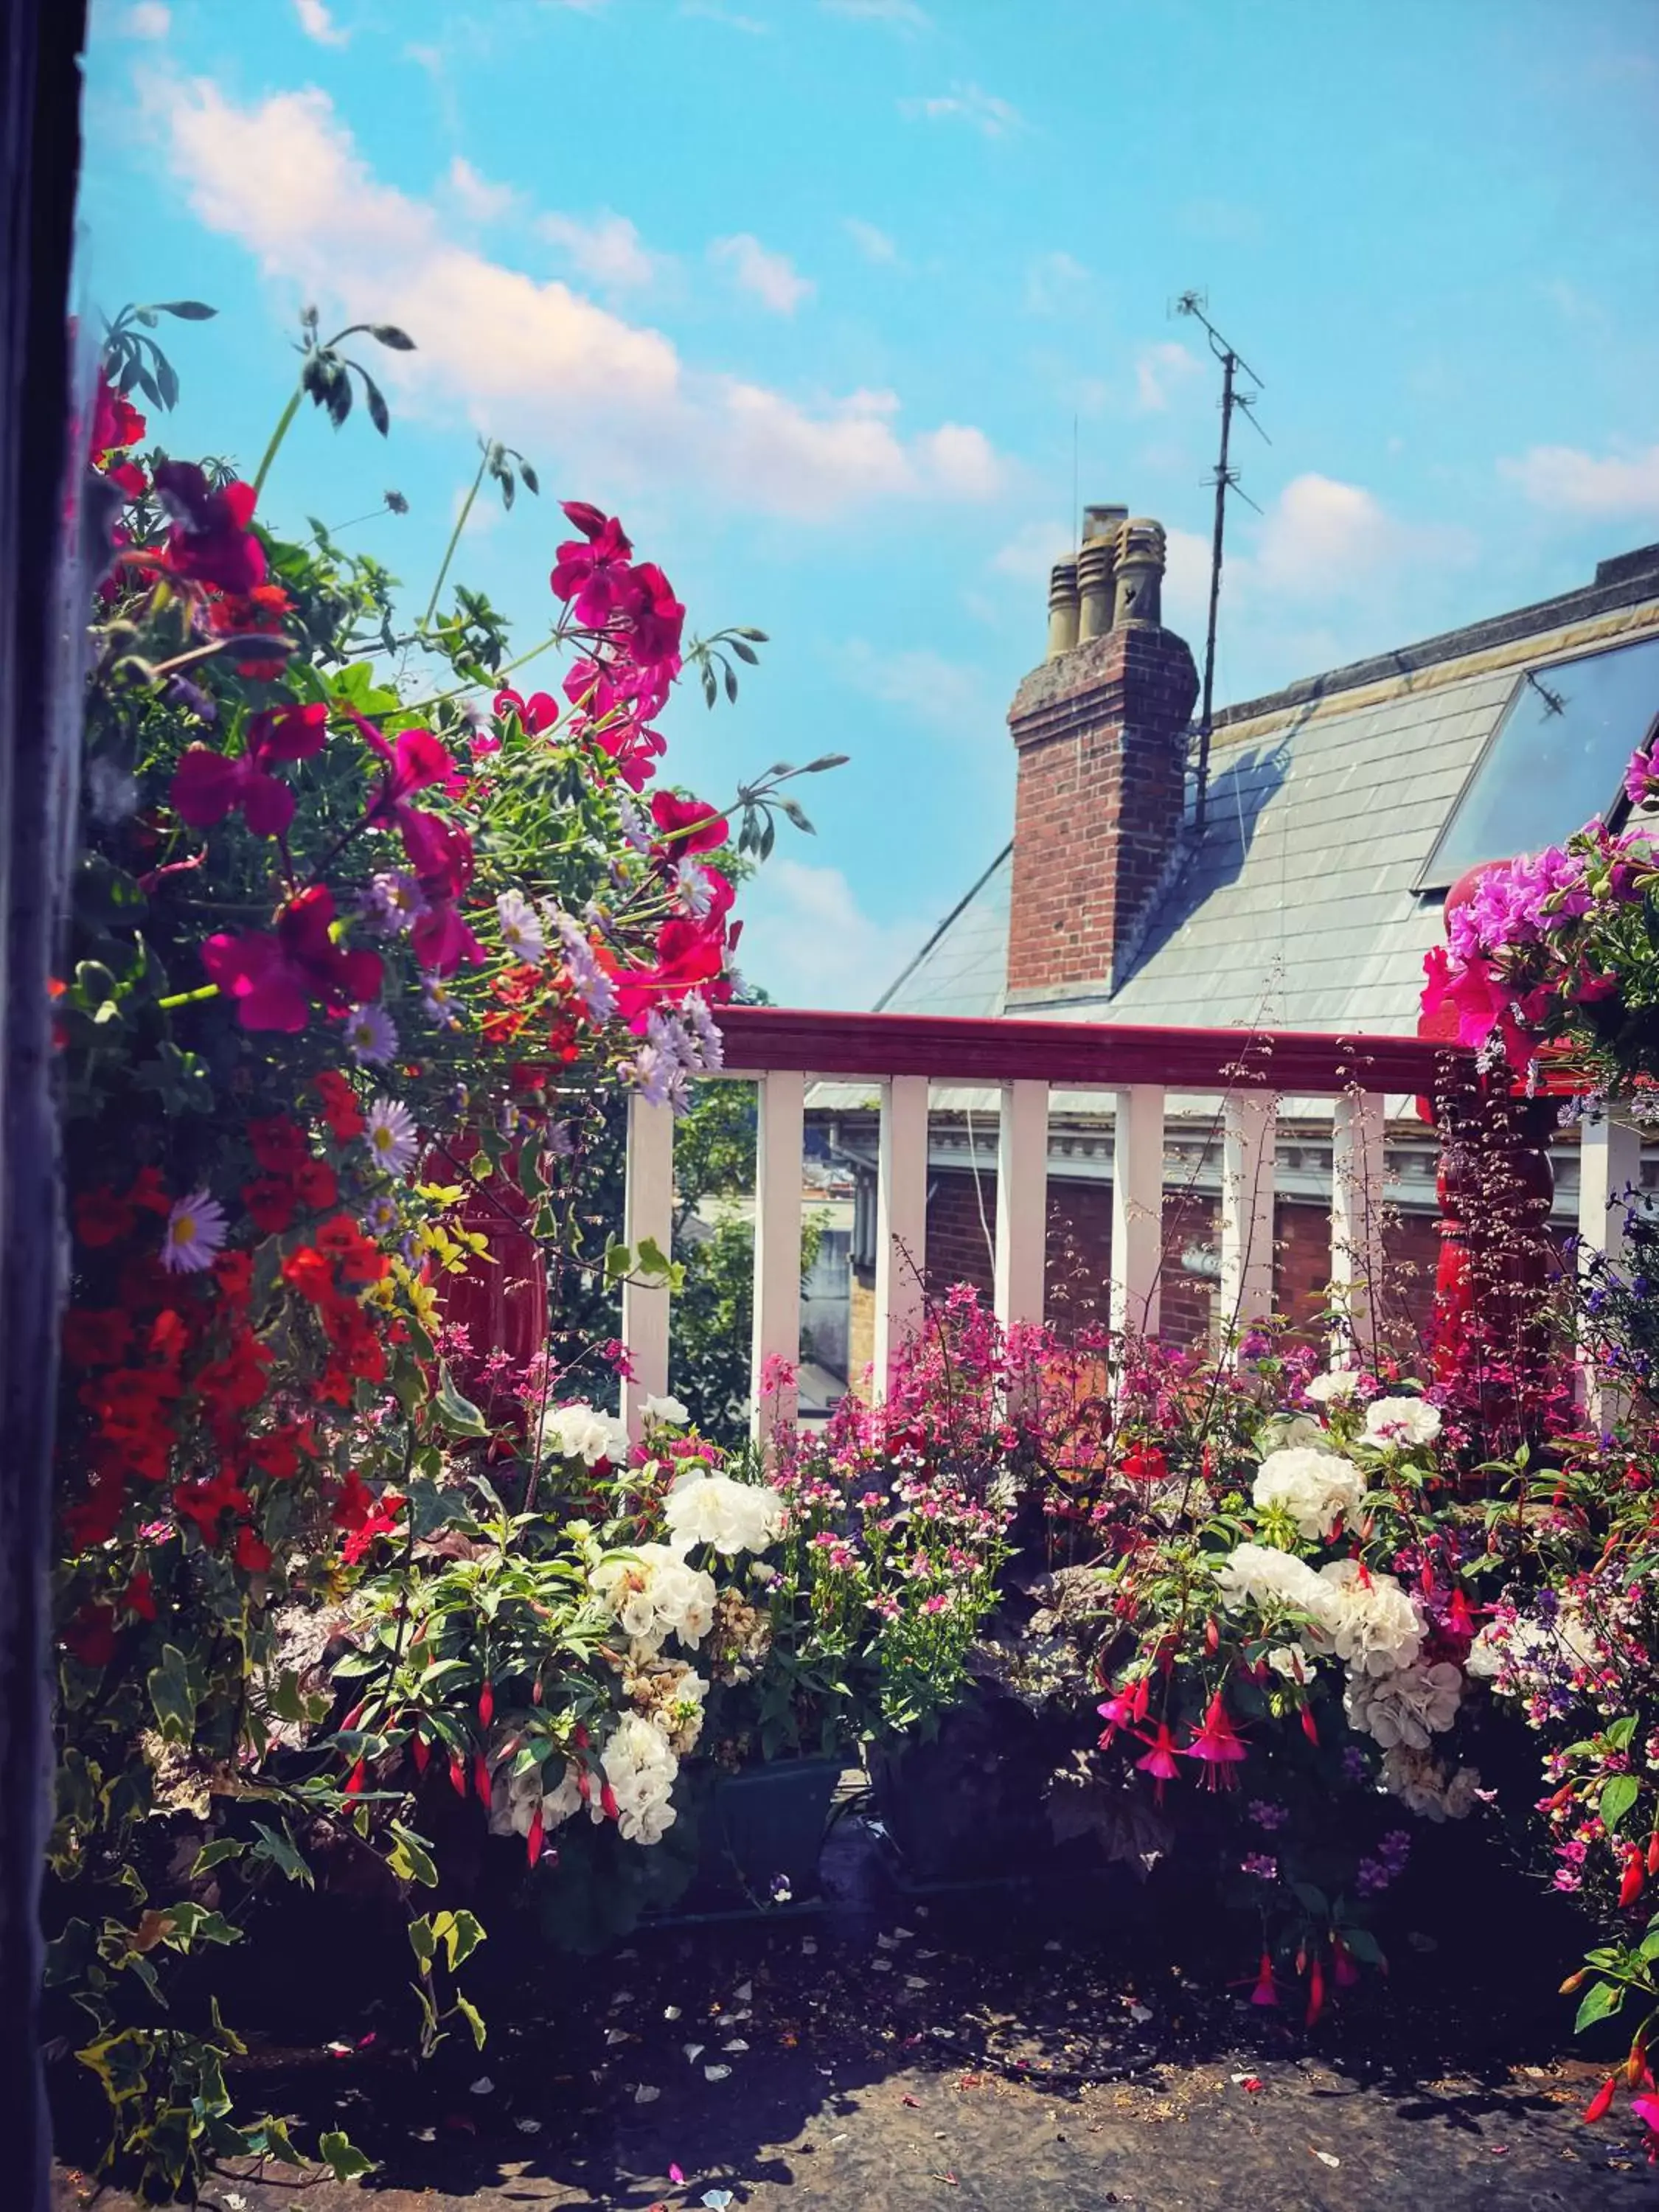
column 1428, row 883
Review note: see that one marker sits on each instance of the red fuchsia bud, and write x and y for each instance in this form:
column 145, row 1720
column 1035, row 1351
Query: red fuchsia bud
column 532, row 1841
column 608, row 1804
column 1265, row 1992
column 1637, row 2075
column 1598, row 2105
column 481, row 1777
column 1344, row 1971
column 486, row 1705
column 1211, row 1635
column 1635, row 1874
column 1309, row 1725
column 1653, row 1852
column 354, row 1715
column 584, row 1785
column 419, row 1752
column 1459, row 1614
column 1315, row 1993
column 457, row 1774
column 536, row 1690
column 354, row 1779
column 579, row 1735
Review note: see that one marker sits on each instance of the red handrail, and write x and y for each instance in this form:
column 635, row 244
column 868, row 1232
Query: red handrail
column 951, row 1048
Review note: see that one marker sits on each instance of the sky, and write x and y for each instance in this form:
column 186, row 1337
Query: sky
column 844, row 304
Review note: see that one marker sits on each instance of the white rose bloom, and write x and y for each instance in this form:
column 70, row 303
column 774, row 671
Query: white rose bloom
column 1316, row 1488
column 1340, row 1382
column 653, row 1594
column 1369, row 1620
column 714, row 1508
column 581, row 1431
column 664, row 1409
column 1405, row 1707
column 1257, row 1575
column 1408, row 1421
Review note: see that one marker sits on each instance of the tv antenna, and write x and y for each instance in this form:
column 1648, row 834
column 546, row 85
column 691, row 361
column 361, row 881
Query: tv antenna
column 1226, row 479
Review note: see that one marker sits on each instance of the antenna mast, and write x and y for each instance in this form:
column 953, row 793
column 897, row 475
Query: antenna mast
column 1225, row 480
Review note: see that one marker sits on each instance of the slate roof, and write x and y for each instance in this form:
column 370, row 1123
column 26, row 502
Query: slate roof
column 1296, row 908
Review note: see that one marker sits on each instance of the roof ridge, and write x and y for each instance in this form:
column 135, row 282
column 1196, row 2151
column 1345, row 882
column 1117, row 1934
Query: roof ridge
column 967, row 899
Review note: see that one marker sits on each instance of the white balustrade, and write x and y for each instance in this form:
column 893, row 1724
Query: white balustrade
column 648, row 1213
column 901, row 1219
column 779, row 1138
column 1609, row 1164
column 1137, row 1209
column 1022, row 1202
column 1357, row 1256
column 1246, row 1206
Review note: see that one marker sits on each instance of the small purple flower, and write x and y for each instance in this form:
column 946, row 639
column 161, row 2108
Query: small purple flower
column 393, row 902
column 1261, row 1864
column 392, row 1136
column 438, row 1003
column 371, row 1035
column 195, row 1231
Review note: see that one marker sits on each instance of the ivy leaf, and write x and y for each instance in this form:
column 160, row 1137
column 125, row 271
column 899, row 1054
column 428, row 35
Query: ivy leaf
column 279, row 1850
column 172, row 1696
column 408, row 1858
column 214, row 1854
column 341, row 2156
column 474, row 2020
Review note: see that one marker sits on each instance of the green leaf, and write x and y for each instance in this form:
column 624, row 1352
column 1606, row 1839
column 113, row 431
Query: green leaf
column 474, row 2020
column 341, row 2156
column 1620, row 1735
column 460, row 1933
column 279, row 1850
column 1600, row 2002
column 408, row 1858
column 214, row 1854
column 1618, row 1795
column 172, row 1696
column 388, row 334
column 458, row 1415
column 188, row 311
column 1311, row 1899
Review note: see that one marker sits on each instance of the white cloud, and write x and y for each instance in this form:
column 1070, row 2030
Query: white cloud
column 772, row 279
column 1562, row 476
column 807, row 940
column 1321, row 540
column 316, row 23
column 927, row 685
column 479, row 199
column 904, row 15
column 147, row 19
column 535, row 360
column 750, row 24
column 874, row 244
column 1033, row 549
column 1055, row 283
column 606, row 249
column 1160, row 370
column 968, row 103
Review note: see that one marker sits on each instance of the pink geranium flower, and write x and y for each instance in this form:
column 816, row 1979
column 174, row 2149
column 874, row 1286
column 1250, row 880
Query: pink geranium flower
column 275, row 978
column 592, row 571
column 209, row 542
column 208, row 785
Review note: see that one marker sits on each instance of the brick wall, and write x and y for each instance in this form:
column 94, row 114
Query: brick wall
column 1100, row 736
column 1080, row 1243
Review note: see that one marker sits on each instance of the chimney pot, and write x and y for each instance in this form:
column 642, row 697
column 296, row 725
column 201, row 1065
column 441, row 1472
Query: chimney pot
column 1140, row 557
column 1095, row 567
column 1062, row 608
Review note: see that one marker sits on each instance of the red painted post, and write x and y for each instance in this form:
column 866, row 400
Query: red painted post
column 501, row 1301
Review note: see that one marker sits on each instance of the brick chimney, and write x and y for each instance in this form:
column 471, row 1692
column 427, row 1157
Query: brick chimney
column 1101, row 732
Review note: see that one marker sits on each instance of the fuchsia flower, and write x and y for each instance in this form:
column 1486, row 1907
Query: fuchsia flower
column 1159, row 1761
column 1123, row 1709
column 1219, row 1744
column 209, row 542
column 208, row 785
column 1265, row 1992
column 276, row 977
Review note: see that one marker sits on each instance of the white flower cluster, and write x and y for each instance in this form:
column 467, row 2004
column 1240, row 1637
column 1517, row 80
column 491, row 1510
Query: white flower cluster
column 641, row 1767
column 1369, row 1619
column 653, row 1595
column 1317, row 1489
column 714, row 1508
column 1340, row 1382
column 1406, row 1705
column 581, row 1431
column 1424, row 1785
column 1405, row 1421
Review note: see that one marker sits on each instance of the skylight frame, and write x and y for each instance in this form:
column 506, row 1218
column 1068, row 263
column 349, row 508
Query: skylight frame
column 1431, row 879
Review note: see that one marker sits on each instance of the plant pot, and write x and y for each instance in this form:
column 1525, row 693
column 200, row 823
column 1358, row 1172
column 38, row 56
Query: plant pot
column 967, row 1803
column 764, row 1826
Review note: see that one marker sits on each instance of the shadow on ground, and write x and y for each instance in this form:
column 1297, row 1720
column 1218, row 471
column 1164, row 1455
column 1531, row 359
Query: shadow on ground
column 995, row 2048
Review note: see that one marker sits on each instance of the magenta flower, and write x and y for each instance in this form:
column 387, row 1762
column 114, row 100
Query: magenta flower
column 1642, row 780
column 208, row 785
column 275, row 978
column 210, row 541
column 592, row 571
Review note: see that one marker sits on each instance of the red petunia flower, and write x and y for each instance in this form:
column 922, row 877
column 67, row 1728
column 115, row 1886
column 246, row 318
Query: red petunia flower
column 343, row 1115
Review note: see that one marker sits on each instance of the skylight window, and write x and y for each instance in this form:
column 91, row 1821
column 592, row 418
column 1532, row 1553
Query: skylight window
column 1555, row 762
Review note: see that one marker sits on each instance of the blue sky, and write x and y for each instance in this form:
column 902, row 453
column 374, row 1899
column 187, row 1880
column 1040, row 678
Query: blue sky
column 819, row 295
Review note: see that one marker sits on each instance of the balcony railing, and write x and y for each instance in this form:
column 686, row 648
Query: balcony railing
column 903, row 1056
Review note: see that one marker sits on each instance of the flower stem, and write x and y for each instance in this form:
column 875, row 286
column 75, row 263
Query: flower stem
column 455, row 540
column 190, row 998
column 276, row 437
